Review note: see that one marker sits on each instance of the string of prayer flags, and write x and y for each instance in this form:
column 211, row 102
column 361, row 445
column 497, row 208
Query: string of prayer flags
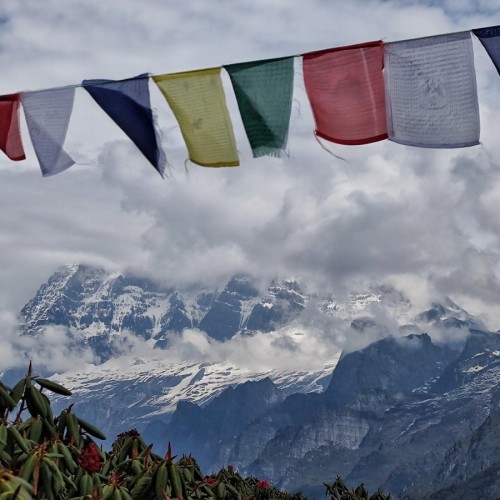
column 419, row 92
column 345, row 87
column 264, row 90
column 10, row 133
column 198, row 102
column 490, row 38
column 431, row 92
column 127, row 103
column 47, row 115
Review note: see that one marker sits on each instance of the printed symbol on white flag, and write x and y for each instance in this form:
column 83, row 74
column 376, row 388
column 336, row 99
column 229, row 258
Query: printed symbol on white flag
column 433, row 94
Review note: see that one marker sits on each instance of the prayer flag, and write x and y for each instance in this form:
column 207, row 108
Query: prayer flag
column 264, row 90
column 10, row 135
column 490, row 38
column 198, row 102
column 345, row 87
column 47, row 115
column 431, row 92
column 127, row 103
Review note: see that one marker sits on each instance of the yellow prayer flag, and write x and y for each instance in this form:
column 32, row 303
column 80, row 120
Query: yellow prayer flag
column 198, row 102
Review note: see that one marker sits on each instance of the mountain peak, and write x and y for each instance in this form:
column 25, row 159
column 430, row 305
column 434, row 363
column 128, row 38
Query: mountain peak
column 393, row 364
column 449, row 315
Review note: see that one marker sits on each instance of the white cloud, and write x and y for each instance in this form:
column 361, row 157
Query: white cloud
column 296, row 347
column 51, row 351
column 425, row 219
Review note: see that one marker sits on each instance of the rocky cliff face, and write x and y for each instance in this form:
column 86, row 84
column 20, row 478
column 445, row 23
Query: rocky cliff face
column 410, row 438
column 391, row 364
column 124, row 393
column 213, row 430
column 470, row 467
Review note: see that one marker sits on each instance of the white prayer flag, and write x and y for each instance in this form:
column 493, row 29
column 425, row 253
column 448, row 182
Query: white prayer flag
column 431, row 92
column 47, row 115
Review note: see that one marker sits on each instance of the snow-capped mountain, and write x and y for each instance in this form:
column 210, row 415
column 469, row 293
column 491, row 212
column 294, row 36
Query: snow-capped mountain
column 92, row 303
column 257, row 376
column 101, row 310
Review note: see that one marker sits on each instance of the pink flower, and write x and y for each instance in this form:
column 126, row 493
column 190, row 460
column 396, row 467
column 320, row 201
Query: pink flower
column 209, row 480
column 263, row 484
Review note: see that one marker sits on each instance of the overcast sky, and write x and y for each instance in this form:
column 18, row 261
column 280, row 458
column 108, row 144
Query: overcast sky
column 426, row 221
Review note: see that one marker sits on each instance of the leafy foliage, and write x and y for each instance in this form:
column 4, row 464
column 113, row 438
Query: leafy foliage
column 44, row 457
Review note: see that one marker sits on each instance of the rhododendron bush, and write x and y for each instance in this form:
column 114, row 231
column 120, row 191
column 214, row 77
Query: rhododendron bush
column 43, row 456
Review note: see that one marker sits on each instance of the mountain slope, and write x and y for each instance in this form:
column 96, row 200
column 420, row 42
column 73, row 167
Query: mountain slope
column 471, row 467
column 213, row 431
column 124, row 393
column 388, row 426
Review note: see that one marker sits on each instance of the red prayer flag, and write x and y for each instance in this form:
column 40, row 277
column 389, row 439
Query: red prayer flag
column 345, row 87
column 10, row 135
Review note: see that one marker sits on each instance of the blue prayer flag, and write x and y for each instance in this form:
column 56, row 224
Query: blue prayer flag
column 127, row 103
column 490, row 38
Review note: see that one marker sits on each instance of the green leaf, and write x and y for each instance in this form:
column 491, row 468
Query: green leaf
column 53, row 386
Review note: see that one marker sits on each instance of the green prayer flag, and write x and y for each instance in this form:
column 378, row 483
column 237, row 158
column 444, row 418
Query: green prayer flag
column 264, row 91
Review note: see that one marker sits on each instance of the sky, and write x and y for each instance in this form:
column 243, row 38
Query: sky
column 423, row 220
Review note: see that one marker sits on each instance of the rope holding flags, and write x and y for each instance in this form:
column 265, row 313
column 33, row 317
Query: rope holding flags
column 419, row 92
